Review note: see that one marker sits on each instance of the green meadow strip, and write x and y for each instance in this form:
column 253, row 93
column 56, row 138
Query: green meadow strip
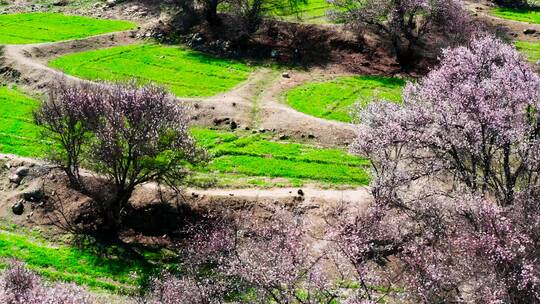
column 334, row 99
column 18, row 133
column 530, row 49
column 523, row 15
column 49, row 27
column 257, row 155
column 186, row 73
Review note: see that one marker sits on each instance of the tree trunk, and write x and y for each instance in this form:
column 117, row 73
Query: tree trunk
column 116, row 210
column 211, row 12
column 404, row 53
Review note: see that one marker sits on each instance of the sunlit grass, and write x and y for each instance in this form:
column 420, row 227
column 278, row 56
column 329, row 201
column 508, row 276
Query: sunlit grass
column 257, row 155
column 524, row 15
column 109, row 270
column 312, row 11
column 334, row 99
column 47, row 27
column 18, row 133
column 186, row 73
column 530, row 49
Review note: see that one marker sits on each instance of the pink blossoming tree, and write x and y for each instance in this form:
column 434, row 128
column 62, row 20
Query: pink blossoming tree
column 406, row 23
column 266, row 260
column 455, row 183
column 132, row 135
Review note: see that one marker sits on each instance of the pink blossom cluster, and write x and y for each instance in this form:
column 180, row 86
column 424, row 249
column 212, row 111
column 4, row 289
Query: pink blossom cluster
column 268, row 260
column 18, row 285
column 128, row 133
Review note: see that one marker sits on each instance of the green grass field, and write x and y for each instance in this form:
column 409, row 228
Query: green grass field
column 184, row 72
column 530, row 49
column 18, row 134
column 47, row 27
column 523, row 15
column 112, row 270
column 240, row 159
column 334, row 99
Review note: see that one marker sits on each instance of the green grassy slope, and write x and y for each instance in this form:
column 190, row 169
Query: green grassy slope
column 185, row 73
column 530, row 49
column 333, row 99
column 18, row 134
column 45, row 27
column 246, row 157
column 523, row 15
column 111, row 270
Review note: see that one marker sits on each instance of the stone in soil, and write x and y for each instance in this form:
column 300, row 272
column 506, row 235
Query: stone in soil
column 22, row 171
column 15, row 179
column 18, row 208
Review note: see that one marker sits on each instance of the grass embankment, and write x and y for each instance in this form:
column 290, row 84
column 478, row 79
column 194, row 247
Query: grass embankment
column 524, row 15
column 240, row 159
column 47, row 27
column 256, row 160
column 186, row 73
column 334, row 99
column 108, row 268
column 530, row 49
column 18, row 134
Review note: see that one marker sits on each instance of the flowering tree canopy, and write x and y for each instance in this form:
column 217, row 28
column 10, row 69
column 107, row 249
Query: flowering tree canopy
column 456, row 183
column 142, row 136
column 266, row 260
column 475, row 118
column 132, row 135
column 65, row 118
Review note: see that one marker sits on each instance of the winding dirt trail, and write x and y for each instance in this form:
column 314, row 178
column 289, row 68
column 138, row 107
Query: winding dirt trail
column 254, row 104
column 310, row 194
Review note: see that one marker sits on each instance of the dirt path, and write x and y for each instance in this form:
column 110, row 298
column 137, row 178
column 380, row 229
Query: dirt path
column 28, row 62
column 308, row 196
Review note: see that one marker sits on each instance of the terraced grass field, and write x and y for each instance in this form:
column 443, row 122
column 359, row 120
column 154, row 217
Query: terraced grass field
column 186, row 73
column 240, row 159
column 523, row 15
column 47, row 27
column 18, row 134
column 530, row 49
column 334, row 99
